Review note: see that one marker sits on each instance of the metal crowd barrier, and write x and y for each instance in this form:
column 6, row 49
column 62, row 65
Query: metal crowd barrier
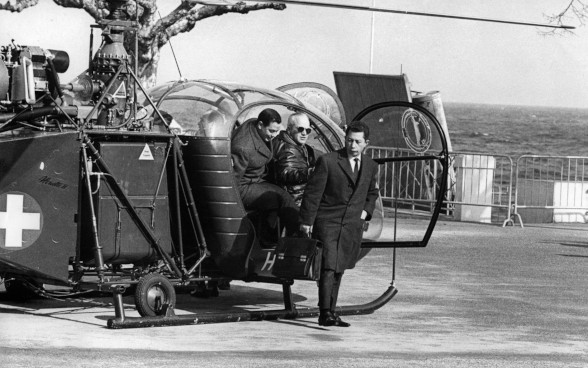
column 479, row 186
column 551, row 189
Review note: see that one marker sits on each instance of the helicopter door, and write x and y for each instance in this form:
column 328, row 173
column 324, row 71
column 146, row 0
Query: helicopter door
column 411, row 148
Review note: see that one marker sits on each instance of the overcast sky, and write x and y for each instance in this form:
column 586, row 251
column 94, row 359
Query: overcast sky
column 466, row 61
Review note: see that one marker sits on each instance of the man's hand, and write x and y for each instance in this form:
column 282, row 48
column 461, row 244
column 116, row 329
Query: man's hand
column 306, row 229
column 363, row 214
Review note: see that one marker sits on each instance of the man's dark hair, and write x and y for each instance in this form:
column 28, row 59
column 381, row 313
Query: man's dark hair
column 358, row 127
column 268, row 116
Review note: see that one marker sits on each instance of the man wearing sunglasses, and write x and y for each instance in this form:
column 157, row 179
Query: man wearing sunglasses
column 293, row 159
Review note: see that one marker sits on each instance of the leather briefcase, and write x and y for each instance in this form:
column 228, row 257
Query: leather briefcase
column 298, row 259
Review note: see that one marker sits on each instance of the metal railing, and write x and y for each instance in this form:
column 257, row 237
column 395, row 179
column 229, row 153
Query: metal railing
column 479, row 186
column 553, row 187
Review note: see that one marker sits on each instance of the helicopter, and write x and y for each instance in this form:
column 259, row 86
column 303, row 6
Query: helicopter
column 106, row 186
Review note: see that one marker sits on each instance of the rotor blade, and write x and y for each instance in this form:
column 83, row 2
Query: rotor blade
column 211, row 2
column 383, row 10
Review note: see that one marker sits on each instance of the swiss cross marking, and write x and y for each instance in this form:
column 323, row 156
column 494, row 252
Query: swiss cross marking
column 15, row 221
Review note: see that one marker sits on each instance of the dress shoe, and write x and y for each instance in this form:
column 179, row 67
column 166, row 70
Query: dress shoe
column 340, row 323
column 327, row 319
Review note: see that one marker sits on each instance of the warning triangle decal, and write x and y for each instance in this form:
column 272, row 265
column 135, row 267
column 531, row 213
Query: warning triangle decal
column 146, row 154
column 121, row 92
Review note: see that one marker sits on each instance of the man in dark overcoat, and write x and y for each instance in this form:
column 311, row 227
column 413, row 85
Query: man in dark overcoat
column 340, row 197
column 251, row 151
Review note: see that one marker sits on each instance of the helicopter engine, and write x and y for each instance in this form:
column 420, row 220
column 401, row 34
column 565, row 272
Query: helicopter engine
column 28, row 72
column 107, row 83
column 102, row 96
column 29, row 84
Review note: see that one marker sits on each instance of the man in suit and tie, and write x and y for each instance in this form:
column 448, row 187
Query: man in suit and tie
column 339, row 198
column 251, row 151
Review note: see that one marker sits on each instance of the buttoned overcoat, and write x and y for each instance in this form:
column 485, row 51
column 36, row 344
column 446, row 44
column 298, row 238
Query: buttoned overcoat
column 333, row 203
column 250, row 155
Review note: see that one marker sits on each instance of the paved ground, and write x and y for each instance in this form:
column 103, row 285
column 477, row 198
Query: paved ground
column 477, row 296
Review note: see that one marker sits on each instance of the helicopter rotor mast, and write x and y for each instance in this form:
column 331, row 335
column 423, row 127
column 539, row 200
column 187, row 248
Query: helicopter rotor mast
column 385, row 10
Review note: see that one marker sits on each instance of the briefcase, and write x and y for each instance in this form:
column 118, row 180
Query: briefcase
column 298, row 259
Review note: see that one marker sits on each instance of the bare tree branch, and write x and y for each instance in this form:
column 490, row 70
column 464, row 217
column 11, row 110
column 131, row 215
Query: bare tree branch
column 153, row 32
column 576, row 9
column 184, row 17
column 98, row 9
column 18, row 6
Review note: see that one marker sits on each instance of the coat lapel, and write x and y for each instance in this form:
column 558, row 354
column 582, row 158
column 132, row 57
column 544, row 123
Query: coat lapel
column 345, row 165
column 259, row 144
column 362, row 172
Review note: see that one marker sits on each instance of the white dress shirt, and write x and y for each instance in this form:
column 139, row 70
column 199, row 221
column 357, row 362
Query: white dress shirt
column 352, row 163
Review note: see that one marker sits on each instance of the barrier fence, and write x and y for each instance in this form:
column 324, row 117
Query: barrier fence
column 551, row 188
column 478, row 186
column 489, row 188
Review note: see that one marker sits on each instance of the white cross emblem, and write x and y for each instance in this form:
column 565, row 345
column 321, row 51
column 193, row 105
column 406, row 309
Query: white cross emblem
column 14, row 221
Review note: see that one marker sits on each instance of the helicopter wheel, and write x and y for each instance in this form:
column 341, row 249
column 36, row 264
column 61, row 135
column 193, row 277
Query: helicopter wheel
column 153, row 292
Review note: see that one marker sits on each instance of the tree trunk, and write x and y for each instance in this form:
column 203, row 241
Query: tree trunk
column 149, row 53
column 148, row 69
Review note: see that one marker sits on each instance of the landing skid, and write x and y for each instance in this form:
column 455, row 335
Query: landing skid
column 290, row 311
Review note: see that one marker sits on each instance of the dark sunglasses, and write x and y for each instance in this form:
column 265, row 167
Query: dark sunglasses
column 301, row 129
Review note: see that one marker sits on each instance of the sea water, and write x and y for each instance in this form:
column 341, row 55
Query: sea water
column 517, row 130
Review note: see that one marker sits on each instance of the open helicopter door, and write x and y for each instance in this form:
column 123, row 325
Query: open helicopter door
column 410, row 146
column 358, row 90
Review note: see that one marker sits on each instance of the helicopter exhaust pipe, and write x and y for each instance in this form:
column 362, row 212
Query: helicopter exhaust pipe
column 71, row 111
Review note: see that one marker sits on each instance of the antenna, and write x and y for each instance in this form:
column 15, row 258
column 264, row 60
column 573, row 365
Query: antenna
column 173, row 52
column 372, row 38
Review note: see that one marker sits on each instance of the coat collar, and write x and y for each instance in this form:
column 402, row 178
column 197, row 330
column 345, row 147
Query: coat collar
column 343, row 160
column 258, row 142
column 286, row 137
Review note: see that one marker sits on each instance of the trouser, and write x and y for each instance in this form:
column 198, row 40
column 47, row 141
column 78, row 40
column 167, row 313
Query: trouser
column 329, row 289
column 267, row 197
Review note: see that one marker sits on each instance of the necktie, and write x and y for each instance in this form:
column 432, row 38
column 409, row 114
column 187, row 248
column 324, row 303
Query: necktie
column 356, row 169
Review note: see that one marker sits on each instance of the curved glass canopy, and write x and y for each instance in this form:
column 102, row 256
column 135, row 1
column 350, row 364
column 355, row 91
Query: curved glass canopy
column 206, row 108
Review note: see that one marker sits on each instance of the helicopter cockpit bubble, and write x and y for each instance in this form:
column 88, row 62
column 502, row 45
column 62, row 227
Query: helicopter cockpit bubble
column 192, row 104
